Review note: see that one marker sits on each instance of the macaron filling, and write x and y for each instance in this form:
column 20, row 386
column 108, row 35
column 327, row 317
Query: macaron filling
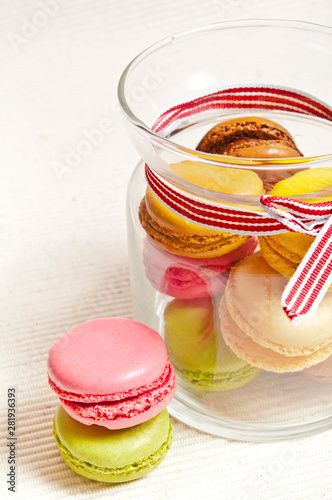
column 164, row 379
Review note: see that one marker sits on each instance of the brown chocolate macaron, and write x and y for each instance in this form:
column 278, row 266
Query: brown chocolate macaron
column 252, row 137
column 249, row 137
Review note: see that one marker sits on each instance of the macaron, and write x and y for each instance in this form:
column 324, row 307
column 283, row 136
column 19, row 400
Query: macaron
column 198, row 350
column 111, row 372
column 178, row 236
column 249, row 137
column 285, row 251
column 316, row 182
column 188, row 278
column 255, row 327
column 112, row 456
column 252, row 137
column 235, row 181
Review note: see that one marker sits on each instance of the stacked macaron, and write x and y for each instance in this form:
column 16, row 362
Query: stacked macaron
column 185, row 260
column 114, row 380
column 256, row 328
column 202, row 265
column 253, row 323
column 191, row 263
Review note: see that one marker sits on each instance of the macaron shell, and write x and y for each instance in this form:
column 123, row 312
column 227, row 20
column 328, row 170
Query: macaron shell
column 261, row 357
column 253, row 296
column 112, row 456
column 182, row 283
column 168, row 220
column 219, row 179
column 107, row 356
column 189, row 334
column 209, row 382
column 258, row 148
column 252, row 137
column 243, row 127
column 293, row 246
column 284, row 252
column 305, row 182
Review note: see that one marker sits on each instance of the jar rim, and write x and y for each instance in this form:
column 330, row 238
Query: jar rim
column 214, row 159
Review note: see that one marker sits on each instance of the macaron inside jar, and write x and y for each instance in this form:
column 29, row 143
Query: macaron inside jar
column 285, row 251
column 255, row 327
column 253, row 137
column 178, row 236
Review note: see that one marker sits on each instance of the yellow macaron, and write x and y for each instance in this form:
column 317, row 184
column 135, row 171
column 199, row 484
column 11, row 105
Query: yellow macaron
column 266, row 359
column 284, row 252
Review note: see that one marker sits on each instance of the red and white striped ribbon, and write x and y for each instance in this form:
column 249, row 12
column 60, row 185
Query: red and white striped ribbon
column 313, row 276
column 253, row 98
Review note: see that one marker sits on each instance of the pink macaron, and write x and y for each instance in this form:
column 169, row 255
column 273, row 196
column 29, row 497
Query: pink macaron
column 188, row 278
column 113, row 372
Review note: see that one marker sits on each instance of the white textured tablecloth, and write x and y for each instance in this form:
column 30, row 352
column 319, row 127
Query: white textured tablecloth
column 63, row 240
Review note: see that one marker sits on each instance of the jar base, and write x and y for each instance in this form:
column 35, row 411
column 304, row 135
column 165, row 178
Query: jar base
column 205, row 417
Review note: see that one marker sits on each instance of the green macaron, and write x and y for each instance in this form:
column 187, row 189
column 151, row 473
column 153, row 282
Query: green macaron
column 197, row 349
column 112, row 456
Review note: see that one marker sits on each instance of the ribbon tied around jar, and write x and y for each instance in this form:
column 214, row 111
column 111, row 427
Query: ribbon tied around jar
column 313, row 276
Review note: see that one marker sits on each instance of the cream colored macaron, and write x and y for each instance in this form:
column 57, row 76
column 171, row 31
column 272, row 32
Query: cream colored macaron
column 247, row 349
column 253, row 296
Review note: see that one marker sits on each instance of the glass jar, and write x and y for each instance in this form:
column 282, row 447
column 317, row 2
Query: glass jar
column 213, row 288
